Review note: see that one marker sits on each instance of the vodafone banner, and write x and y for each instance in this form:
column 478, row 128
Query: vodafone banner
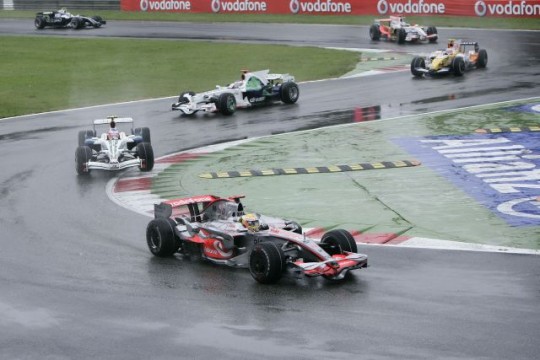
column 489, row 8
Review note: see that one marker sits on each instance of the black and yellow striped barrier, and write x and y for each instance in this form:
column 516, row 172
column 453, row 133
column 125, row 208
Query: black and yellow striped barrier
column 508, row 130
column 311, row 170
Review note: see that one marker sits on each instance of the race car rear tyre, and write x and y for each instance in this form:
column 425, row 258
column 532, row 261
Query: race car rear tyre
column 226, row 104
column 83, row 135
column 143, row 132
column 482, row 59
column 375, row 32
column 402, row 35
column 289, row 92
column 458, row 66
column 146, row 154
column 418, row 62
column 266, row 262
column 339, row 241
column 83, row 155
column 39, row 22
column 160, row 237
column 430, row 31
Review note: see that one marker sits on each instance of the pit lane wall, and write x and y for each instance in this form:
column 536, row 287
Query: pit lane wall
column 478, row 8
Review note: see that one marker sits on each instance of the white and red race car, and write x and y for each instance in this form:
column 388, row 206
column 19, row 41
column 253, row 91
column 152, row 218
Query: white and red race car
column 395, row 28
column 220, row 231
column 254, row 88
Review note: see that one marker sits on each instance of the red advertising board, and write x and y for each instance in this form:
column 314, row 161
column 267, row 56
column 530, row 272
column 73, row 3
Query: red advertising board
column 489, row 8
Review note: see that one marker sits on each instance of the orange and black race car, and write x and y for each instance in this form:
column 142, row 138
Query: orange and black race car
column 221, row 231
column 395, row 28
column 458, row 57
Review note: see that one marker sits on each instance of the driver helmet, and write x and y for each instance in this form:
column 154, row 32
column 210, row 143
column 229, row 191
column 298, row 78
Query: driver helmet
column 251, row 222
column 450, row 43
column 113, row 132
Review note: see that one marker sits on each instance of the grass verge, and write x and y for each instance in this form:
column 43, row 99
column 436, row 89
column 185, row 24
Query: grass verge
column 43, row 74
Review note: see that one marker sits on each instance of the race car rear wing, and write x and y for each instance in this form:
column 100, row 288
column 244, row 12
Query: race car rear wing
column 166, row 208
column 116, row 120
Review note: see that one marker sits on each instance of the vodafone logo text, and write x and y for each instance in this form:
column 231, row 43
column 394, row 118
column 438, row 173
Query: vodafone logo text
column 506, row 8
column 319, row 6
column 164, row 5
column 410, row 7
column 238, row 6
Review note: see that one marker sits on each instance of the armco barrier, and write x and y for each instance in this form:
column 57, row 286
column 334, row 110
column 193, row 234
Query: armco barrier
column 491, row 8
column 48, row 5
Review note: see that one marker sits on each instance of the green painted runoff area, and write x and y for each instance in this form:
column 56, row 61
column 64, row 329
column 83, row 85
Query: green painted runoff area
column 413, row 201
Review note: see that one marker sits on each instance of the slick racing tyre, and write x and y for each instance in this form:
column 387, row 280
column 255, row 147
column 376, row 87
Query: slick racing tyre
column 146, row 154
column 458, row 66
column 266, row 262
column 76, row 23
column 417, row 63
column 160, row 237
column 339, row 241
column 85, row 134
column 98, row 21
column 143, row 132
column 289, row 92
column 83, row 155
column 432, row 30
column 482, row 59
column 226, row 104
column 375, row 32
column 401, row 36
column 294, row 227
column 39, row 22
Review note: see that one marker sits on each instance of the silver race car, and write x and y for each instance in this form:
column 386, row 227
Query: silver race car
column 219, row 230
column 114, row 149
column 63, row 19
column 254, row 88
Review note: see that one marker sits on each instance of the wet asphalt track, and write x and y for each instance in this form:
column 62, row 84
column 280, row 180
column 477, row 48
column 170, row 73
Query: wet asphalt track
column 77, row 281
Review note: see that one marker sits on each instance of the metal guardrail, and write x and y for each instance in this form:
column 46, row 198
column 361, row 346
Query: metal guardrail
column 48, row 5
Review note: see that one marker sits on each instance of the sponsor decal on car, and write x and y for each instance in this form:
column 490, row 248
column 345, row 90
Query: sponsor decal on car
column 500, row 171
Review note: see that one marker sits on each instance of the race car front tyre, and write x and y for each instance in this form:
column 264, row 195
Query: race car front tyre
column 83, row 135
column 76, row 23
column 266, row 262
column 338, row 241
column 417, row 63
column 289, row 92
column 146, row 154
column 160, row 237
column 39, row 22
column 83, row 155
column 402, row 35
column 143, row 132
column 458, row 66
column 294, row 227
column 226, row 104
column 482, row 59
column 375, row 32
column 98, row 21
column 432, row 30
